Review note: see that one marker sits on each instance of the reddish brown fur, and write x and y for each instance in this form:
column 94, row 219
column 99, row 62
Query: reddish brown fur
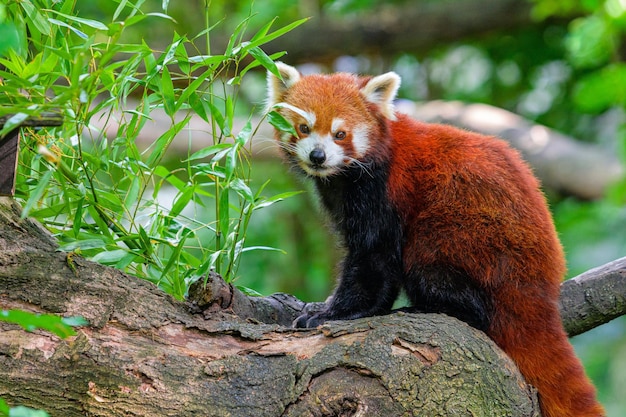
column 432, row 165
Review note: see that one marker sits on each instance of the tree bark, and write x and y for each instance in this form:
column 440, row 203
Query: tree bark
column 391, row 29
column 145, row 353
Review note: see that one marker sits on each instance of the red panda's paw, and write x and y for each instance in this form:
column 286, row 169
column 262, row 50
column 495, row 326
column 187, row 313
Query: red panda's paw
column 310, row 320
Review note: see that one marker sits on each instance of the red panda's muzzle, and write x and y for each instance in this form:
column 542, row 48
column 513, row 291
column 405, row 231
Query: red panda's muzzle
column 317, row 157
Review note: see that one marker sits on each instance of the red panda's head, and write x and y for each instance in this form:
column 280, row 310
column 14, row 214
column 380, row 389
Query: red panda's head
column 338, row 118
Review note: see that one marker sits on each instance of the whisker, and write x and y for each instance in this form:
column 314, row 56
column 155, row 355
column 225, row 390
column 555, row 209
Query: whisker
column 365, row 167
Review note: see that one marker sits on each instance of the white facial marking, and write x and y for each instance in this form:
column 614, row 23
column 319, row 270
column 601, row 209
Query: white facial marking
column 336, row 125
column 333, row 152
column 360, row 140
column 308, row 116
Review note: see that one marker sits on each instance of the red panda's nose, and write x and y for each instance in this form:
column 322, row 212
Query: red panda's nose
column 317, row 156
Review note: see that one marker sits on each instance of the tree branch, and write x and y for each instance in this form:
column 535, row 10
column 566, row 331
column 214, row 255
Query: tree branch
column 587, row 301
column 145, row 353
column 594, row 297
column 415, row 26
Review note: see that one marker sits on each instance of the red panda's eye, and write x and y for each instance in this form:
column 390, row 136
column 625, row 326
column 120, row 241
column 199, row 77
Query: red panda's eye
column 340, row 135
column 304, row 129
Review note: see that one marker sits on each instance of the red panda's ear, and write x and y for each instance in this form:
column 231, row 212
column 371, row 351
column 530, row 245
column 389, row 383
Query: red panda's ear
column 277, row 87
column 381, row 90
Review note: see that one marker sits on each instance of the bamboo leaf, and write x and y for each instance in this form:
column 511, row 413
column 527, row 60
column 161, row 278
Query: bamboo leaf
column 174, row 257
column 208, row 151
column 224, row 215
column 78, row 32
column 164, row 141
column 13, row 122
column 244, row 135
column 218, row 117
column 279, row 122
column 37, row 18
column 54, row 324
column 190, row 95
column 276, row 34
column 110, row 257
column 167, row 91
column 264, row 60
column 37, row 193
column 88, row 22
column 242, row 189
column 181, row 201
column 263, row 31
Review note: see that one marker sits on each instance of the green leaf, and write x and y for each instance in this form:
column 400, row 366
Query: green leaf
column 95, row 243
column 249, row 291
column 167, row 90
column 239, row 29
column 197, row 105
column 13, row 122
column 110, row 257
column 119, row 9
column 21, row 411
column 207, row 60
column 266, row 202
column 263, row 31
column 231, row 161
column 264, row 60
column 78, row 216
column 169, row 54
column 78, row 32
column 164, row 173
column 276, row 34
column 9, row 37
column 190, row 94
column 133, row 192
column 36, row 194
column 244, row 135
column 146, row 242
column 163, row 142
column 218, row 117
column 34, row 16
column 4, row 408
column 230, row 115
column 263, row 248
column 49, row 322
column 279, row 122
column 242, row 189
column 224, row 214
column 174, row 257
column 181, row 201
column 208, row 151
column 88, row 22
column 236, row 80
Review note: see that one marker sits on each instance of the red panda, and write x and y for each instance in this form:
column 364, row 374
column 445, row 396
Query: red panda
column 454, row 218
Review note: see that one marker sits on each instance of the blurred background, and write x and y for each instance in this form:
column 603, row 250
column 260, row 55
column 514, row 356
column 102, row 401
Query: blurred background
column 556, row 63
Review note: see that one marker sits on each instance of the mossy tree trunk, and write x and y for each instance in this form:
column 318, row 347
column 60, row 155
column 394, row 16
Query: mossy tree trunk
column 147, row 354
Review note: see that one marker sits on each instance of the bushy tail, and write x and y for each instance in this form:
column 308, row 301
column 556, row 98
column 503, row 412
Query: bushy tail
column 536, row 341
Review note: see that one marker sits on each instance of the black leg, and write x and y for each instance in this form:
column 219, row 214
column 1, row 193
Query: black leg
column 369, row 285
column 445, row 289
